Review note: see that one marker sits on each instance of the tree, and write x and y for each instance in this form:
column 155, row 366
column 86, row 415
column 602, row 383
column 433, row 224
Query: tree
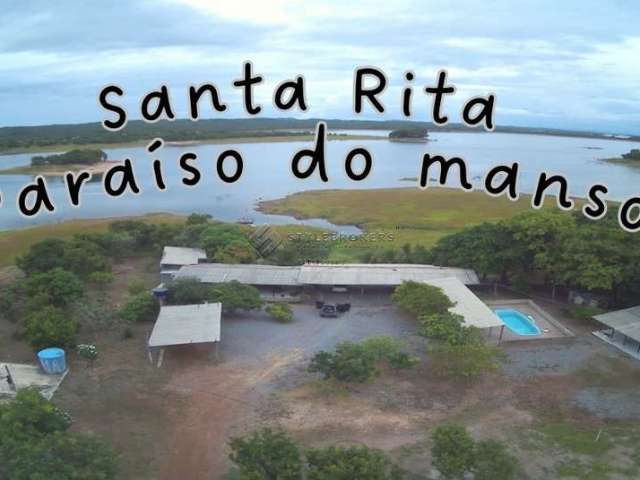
column 281, row 312
column 453, row 451
column 141, row 307
column 50, row 327
column 217, row 236
column 35, row 444
column 236, row 296
column 446, row 327
column 349, row 463
column 56, row 287
column 187, row 291
column 493, row 462
column 351, row 362
column 237, row 251
column 43, row 256
column 302, row 249
column 421, row 298
column 266, row 454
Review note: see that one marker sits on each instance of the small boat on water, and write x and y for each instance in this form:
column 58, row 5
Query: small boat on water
column 245, row 221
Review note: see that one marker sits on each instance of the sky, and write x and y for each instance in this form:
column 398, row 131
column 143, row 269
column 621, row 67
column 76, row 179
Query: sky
column 572, row 64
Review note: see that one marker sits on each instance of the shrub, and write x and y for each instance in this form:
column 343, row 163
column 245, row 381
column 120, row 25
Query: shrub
column 56, row 287
column 50, row 327
column 236, row 296
column 453, row 451
column 281, row 312
column 389, row 349
column 101, row 278
column 87, row 352
column 136, row 286
column 348, row 463
column 466, row 360
column 187, row 291
column 583, row 312
column 266, row 453
column 140, row 308
column 421, row 298
column 493, row 462
column 350, row 362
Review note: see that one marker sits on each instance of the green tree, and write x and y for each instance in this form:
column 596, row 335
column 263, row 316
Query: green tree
column 349, row 463
column 43, row 256
column 236, row 296
column 281, row 312
column 50, row 327
column 446, row 327
column 56, row 287
column 266, row 454
column 141, row 307
column 187, row 291
column 351, row 362
column 453, row 451
column 236, row 251
column 492, row 461
column 421, row 298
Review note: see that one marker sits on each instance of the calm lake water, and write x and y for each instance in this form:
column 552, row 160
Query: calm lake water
column 267, row 174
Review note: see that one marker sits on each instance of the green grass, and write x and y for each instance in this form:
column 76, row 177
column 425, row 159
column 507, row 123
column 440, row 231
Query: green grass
column 409, row 215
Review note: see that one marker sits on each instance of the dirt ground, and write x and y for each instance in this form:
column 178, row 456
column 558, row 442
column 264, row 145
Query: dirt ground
column 174, row 421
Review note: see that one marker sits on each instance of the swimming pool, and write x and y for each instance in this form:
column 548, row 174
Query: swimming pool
column 518, row 322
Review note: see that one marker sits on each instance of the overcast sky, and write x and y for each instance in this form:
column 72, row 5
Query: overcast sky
column 559, row 63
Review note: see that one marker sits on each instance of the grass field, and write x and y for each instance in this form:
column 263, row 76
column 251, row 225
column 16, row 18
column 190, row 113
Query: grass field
column 410, row 215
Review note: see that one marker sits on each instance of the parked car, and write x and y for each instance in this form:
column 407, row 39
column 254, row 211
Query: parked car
column 343, row 307
column 319, row 304
column 329, row 310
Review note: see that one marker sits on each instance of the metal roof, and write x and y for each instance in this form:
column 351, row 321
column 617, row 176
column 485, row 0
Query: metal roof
column 243, row 273
column 626, row 321
column 182, row 256
column 185, row 324
column 381, row 274
column 475, row 312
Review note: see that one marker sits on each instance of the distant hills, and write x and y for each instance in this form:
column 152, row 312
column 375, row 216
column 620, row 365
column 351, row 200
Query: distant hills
column 40, row 137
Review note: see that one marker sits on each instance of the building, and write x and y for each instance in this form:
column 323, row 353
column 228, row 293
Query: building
column 331, row 281
column 622, row 329
column 185, row 325
column 174, row 258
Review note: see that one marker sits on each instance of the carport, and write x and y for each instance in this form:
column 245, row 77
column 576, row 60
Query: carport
column 185, row 325
column 623, row 329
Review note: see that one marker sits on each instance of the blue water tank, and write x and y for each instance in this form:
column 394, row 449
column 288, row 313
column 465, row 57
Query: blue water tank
column 53, row 360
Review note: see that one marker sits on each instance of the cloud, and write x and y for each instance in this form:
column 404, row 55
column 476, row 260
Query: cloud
column 571, row 63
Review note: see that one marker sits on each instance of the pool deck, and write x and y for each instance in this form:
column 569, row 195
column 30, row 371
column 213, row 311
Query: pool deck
column 550, row 327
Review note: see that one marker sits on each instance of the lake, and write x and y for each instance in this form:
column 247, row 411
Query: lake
column 267, row 174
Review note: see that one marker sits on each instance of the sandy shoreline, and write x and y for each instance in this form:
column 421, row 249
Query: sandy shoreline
column 60, row 170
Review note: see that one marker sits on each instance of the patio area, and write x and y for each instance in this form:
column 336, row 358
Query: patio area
column 548, row 325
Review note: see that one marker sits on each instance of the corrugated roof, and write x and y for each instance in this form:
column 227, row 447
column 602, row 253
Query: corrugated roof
column 475, row 312
column 379, row 274
column 625, row 321
column 185, row 324
column 243, row 273
column 182, row 256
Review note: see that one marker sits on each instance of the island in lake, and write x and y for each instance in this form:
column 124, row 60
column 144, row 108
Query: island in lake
column 411, row 135
column 92, row 161
column 631, row 159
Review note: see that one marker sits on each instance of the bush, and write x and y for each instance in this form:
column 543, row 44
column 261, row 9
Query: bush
column 266, row 453
column 35, row 444
column 187, row 291
column 350, row 362
column 136, row 286
column 236, row 296
column 583, row 312
column 389, row 349
column 50, row 327
column 466, row 360
column 421, row 298
column 87, row 352
column 142, row 307
column 101, row 278
column 281, row 312
column 349, row 463
column 56, row 287
column 493, row 462
column 453, row 451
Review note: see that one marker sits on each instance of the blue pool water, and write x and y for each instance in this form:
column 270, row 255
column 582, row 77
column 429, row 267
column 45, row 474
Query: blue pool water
column 517, row 321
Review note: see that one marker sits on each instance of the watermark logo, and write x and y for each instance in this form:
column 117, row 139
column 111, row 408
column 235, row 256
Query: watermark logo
column 265, row 240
